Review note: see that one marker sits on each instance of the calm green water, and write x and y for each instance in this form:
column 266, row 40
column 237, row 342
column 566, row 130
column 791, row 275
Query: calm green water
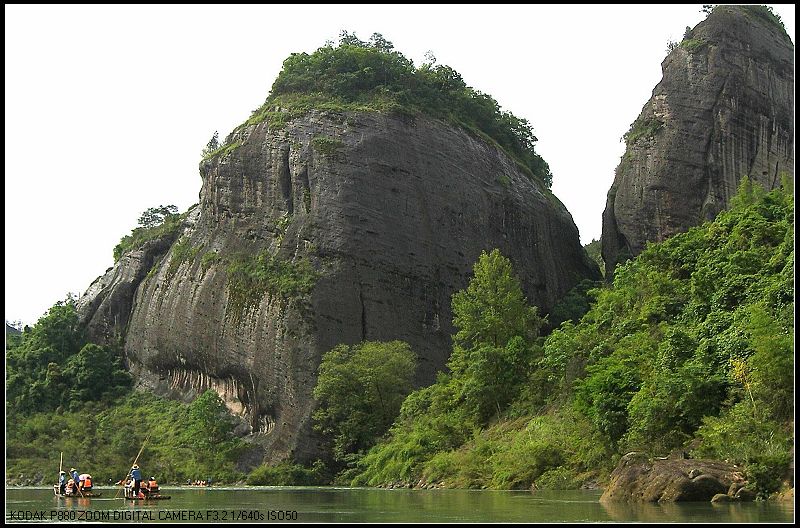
column 346, row 505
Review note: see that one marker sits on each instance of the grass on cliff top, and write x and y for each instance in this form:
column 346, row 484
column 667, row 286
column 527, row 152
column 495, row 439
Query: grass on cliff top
column 169, row 226
column 766, row 14
column 223, row 150
column 643, row 128
column 372, row 76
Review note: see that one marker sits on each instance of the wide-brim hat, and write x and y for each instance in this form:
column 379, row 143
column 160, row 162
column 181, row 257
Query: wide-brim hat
column 135, row 467
column 62, row 472
column 73, row 469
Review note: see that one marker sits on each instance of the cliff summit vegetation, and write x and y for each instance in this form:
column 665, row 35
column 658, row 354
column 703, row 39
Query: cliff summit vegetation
column 373, row 76
column 154, row 223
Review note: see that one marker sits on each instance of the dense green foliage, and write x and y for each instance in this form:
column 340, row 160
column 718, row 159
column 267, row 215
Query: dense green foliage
column 691, row 347
column 372, row 76
column 53, row 366
column 288, row 474
column 661, row 343
column 185, row 441
column 66, row 394
column 359, row 390
column 154, row 223
column 493, row 351
column 574, row 305
column 595, row 251
column 646, row 127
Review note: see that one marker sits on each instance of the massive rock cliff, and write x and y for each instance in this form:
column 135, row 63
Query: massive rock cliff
column 723, row 109
column 335, row 228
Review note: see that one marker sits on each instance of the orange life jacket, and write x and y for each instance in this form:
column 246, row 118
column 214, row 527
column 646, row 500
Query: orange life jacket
column 153, row 485
column 87, row 484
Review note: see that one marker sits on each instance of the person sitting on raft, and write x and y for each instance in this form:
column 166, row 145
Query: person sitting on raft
column 85, row 482
column 71, row 487
column 152, row 485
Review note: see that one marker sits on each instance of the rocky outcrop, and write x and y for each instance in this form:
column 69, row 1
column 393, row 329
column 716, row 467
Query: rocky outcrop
column 639, row 478
column 106, row 305
column 332, row 228
column 723, row 109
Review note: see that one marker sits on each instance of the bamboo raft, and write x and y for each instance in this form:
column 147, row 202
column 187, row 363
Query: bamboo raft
column 82, row 495
column 156, row 496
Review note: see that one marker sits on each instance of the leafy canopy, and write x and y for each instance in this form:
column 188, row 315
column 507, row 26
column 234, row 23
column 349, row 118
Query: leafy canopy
column 360, row 389
column 155, row 216
column 372, row 75
column 692, row 345
column 156, row 222
column 493, row 353
column 53, row 365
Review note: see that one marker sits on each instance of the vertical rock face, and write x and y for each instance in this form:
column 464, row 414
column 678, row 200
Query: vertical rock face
column 383, row 216
column 106, row 306
column 723, row 109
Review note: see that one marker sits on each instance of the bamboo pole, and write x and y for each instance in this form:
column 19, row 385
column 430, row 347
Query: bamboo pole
column 78, row 485
column 60, row 468
column 135, row 460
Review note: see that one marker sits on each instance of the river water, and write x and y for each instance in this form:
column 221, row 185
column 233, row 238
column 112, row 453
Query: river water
column 357, row 505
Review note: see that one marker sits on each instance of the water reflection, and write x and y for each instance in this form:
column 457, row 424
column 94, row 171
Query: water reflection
column 699, row 512
column 348, row 505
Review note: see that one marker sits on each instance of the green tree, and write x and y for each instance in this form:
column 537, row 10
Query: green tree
column 772, row 364
column 360, row 389
column 212, row 145
column 210, row 422
column 358, row 75
column 155, row 216
column 573, row 305
column 594, row 250
column 493, row 350
column 162, row 222
column 34, row 364
column 493, row 308
column 94, row 373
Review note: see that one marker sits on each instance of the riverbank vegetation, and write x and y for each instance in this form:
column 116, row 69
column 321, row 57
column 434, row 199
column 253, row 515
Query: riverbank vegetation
column 690, row 349
column 64, row 394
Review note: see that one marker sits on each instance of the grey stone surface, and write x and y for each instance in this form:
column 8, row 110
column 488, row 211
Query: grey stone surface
column 392, row 213
column 726, row 101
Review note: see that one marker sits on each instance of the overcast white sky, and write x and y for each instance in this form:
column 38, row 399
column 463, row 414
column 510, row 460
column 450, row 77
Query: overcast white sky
column 108, row 107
